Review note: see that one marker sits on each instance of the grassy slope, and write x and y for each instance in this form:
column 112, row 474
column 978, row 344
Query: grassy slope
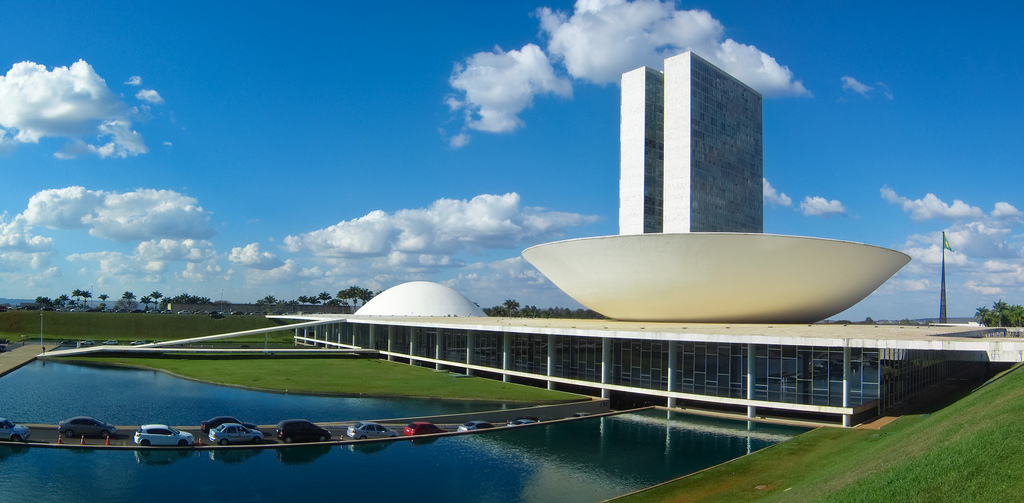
column 130, row 326
column 971, row 450
column 346, row 376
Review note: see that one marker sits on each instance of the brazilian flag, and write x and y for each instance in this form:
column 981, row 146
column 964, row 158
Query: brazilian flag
column 945, row 242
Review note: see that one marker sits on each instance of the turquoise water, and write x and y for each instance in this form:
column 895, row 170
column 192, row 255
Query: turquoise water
column 579, row 461
column 47, row 392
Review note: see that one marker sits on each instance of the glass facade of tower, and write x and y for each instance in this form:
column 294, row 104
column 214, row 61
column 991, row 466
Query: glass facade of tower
column 726, row 152
column 654, row 151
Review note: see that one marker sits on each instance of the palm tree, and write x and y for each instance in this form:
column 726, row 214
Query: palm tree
column 86, row 295
column 302, row 299
column 511, row 307
column 146, row 300
column 999, row 309
column 323, row 297
column 982, row 315
column 156, row 296
column 62, row 300
column 76, row 293
column 128, row 298
column 1015, row 316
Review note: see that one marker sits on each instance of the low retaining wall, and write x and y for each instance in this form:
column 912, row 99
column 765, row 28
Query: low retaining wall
column 542, row 412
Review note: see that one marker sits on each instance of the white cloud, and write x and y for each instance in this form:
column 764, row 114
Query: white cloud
column 885, row 90
column 250, row 256
column 775, row 198
column 448, row 226
column 496, row 86
column 602, row 39
column 931, row 207
column 819, row 206
column 72, row 103
column 149, row 95
column 851, row 84
column 138, row 215
column 16, row 236
column 135, row 80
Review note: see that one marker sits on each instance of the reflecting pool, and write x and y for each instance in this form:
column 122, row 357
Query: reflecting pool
column 48, row 392
column 580, row 461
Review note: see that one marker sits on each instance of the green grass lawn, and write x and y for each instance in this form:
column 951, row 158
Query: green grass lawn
column 342, row 376
column 971, row 450
column 126, row 327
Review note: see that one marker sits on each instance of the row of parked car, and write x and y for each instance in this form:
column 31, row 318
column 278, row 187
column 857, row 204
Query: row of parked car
column 224, row 430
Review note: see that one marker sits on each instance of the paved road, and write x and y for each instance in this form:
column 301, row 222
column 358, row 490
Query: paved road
column 12, row 359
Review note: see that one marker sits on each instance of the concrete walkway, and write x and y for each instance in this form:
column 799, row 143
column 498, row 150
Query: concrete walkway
column 13, row 359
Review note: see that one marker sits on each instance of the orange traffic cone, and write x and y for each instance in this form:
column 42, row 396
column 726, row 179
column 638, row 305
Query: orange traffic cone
column 199, row 441
column 83, row 439
column 60, row 438
column 108, row 440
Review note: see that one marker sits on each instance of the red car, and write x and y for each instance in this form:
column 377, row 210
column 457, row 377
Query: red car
column 422, row 428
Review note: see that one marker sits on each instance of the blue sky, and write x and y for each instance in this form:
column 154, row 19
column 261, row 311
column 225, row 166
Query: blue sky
column 260, row 148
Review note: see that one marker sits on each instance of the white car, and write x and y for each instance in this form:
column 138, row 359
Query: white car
column 365, row 430
column 161, row 434
column 13, row 432
column 234, row 433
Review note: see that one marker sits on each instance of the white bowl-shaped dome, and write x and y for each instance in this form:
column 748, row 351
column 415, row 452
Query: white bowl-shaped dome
column 716, row 277
column 420, row 298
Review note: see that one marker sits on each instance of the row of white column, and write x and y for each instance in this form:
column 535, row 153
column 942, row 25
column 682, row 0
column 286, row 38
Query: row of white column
column 606, row 363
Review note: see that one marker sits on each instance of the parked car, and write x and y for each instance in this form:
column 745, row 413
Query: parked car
column 86, row 426
column 363, row 430
column 3, row 348
column 13, row 432
column 212, row 423
column 86, row 344
column 161, row 434
column 111, row 342
column 422, row 428
column 475, row 425
column 234, row 433
column 300, row 430
column 68, row 343
column 138, row 343
column 521, row 420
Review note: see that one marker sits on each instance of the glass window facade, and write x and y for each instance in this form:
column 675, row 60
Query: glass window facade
column 811, row 375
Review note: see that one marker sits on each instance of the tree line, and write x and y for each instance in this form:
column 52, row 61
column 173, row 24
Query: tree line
column 511, row 309
column 1001, row 315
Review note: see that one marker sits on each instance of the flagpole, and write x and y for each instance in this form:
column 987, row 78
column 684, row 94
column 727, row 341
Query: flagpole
column 942, row 298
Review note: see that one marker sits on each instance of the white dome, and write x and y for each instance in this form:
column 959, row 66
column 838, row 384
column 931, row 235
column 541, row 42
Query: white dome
column 420, row 298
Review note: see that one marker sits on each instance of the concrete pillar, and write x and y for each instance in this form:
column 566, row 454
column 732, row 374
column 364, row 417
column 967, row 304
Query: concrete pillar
column 373, row 336
column 412, row 341
column 355, row 329
column 506, row 359
column 438, row 336
column 847, row 418
column 391, row 341
column 751, row 377
column 470, row 350
column 673, row 363
column 606, row 365
column 551, row 360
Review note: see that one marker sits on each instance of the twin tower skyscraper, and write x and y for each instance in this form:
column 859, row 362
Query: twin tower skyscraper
column 691, row 150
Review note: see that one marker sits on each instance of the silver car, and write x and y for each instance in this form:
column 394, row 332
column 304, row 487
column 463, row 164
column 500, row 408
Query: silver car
column 86, row 426
column 234, row 433
column 363, row 430
column 13, row 432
